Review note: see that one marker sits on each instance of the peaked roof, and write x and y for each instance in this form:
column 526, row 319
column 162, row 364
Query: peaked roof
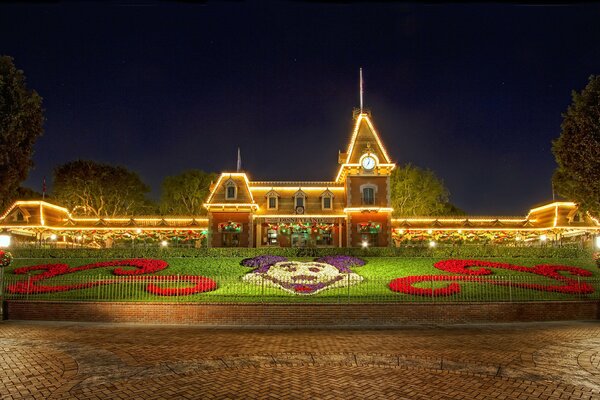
column 364, row 136
column 243, row 195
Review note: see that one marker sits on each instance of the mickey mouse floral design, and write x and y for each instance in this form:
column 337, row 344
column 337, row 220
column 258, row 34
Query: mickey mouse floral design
column 301, row 277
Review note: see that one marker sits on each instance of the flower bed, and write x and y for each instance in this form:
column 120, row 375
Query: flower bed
column 303, row 278
column 472, row 270
column 142, row 266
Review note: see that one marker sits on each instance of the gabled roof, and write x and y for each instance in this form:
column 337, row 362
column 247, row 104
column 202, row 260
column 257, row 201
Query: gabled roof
column 243, row 198
column 365, row 136
column 327, row 192
column 37, row 212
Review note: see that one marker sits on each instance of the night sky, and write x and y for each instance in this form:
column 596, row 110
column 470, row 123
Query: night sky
column 473, row 92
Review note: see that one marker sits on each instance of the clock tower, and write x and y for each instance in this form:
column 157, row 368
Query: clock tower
column 365, row 170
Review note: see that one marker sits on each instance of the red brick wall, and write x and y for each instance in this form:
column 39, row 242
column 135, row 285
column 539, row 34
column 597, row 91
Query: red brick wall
column 301, row 314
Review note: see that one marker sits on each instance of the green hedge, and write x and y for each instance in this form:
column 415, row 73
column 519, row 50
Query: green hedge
column 438, row 252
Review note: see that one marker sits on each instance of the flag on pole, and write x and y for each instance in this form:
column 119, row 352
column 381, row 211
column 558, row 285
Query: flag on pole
column 44, row 188
column 361, row 89
column 239, row 161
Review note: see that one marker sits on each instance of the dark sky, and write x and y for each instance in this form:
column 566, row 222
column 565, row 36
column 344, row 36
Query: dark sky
column 473, row 92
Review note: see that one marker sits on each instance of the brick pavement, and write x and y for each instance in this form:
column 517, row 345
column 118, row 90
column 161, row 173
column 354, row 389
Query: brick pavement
column 103, row 361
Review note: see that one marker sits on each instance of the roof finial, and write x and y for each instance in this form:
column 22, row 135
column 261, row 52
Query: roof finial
column 361, row 90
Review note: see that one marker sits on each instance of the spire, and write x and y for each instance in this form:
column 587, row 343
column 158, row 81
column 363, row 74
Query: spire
column 361, row 89
column 239, row 161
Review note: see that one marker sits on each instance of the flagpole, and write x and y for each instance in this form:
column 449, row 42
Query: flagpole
column 361, row 90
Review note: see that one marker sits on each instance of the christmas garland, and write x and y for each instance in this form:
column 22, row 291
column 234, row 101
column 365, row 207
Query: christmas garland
column 5, row 258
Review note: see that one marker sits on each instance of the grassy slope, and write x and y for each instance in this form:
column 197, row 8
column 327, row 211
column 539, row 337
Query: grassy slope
column 377, row 274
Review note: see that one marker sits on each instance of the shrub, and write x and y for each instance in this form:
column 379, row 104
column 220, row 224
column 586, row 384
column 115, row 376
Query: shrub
column 437, row 252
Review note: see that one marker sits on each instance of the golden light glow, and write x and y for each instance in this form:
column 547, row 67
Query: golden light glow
column 492, row 229
column 299, row 216
column 227, row 175
column 33, row 203
column 136, row 219
column 344, row 166
column 4, row 241
column 462, row 219
column 596, row 221
column 375, row 209
column 106, row 228
column 231, row 205
column 364, row 116
column 554, row 204
column 295, row 188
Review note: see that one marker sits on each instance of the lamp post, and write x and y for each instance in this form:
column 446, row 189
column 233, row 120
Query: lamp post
column 4, row 240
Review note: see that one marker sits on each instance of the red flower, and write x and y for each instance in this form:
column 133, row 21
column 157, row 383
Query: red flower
column 143, row 266
column 569, row 286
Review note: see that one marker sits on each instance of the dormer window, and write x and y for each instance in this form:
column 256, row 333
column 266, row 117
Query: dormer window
column 299, row 201
column 327, row 200
column 230, row 190
column 272, row 200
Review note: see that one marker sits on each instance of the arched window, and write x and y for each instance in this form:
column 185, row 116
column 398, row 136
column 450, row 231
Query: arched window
column 327, row 200
column 230, row 190
column 368, row 193
column 272, row 200
column 299, row 201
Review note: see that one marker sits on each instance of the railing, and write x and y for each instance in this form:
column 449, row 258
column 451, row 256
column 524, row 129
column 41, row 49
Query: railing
column 351, row 290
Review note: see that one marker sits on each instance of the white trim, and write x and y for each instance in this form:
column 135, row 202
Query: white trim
column 275, row 196
column 228, row 184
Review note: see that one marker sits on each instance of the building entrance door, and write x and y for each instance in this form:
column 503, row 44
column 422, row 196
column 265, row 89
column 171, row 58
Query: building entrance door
column 299, row 239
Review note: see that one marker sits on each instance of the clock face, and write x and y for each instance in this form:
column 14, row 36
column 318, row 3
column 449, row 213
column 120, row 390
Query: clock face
column 368, row 162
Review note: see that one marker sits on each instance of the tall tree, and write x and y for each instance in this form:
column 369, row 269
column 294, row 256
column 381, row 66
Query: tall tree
column 185, row 193
column 577, row 150
column 21, row 123
column 415, row 191
column 99, row 190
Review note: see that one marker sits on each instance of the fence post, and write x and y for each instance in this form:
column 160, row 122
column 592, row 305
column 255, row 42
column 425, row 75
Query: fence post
column 348, row 288
column 262, row 289
column 28, row 286
column 510, row 289
column 579, row 287
column 1, row 293
column 432, row 295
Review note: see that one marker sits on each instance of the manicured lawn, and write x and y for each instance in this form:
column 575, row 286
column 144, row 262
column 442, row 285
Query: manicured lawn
column 377, row 274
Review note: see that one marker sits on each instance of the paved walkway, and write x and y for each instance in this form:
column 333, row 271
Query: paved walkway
column 92, row 361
